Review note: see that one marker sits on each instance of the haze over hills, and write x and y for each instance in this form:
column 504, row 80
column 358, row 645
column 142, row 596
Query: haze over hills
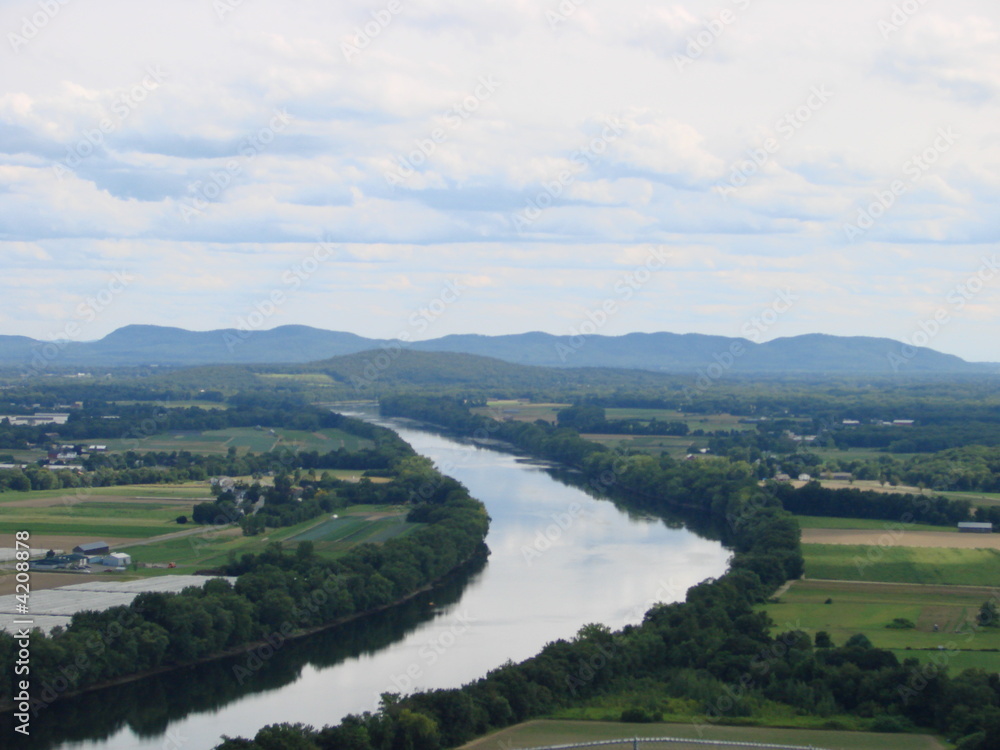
column 658, row 352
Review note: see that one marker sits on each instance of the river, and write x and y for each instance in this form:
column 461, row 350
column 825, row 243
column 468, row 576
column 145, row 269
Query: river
column 559, row 559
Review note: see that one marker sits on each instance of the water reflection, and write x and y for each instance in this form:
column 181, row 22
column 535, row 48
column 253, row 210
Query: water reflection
column 559, row 559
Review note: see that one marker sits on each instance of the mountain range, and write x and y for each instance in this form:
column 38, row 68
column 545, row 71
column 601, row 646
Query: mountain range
column 689, row 353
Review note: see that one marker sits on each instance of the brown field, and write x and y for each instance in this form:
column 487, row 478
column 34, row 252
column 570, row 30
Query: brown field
column 71, row 500
column 952, row 539
column 67, row 543
column 907, row 589
column 41, row 581
column 866, row 484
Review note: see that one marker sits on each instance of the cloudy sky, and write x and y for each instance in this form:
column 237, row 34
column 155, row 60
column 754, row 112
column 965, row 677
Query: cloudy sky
column 426, row 167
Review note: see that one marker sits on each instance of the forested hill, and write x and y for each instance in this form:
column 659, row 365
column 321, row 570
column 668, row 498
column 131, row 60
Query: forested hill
column 660, row 352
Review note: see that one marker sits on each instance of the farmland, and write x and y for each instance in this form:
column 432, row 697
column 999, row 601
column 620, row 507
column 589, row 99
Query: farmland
column 869, row 607
column 211, row 547
column 243, row 439
column 896, row 564
column 542, row 733
column 870, row 524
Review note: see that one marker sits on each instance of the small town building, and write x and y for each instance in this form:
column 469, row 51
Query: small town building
column 118, row 560
column 91, row 549
column 972, row 527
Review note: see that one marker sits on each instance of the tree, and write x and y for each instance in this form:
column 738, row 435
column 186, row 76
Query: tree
column 822, row 639
column 988, row 616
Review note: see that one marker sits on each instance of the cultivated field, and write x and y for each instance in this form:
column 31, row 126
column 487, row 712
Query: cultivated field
column 244, row 439
column 828, row 522
column 869, row 607
column 65, row 518
column 895, row 564
column 209, row 547
column 899, row 536
column 544, row 733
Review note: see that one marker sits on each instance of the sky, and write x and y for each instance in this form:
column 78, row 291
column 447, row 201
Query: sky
column 395, row 168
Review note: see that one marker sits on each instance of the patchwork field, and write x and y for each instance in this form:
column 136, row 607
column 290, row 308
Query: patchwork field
column 555, row 732
column 210, row 547
column 105, row 513
column 828, row 522
column 886, row 535
column 869, row 607
column 933, row 565
column 244, row 439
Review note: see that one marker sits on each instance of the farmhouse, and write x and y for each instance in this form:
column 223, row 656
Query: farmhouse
column 971, row 527
column 90, row 549
column 118, row 560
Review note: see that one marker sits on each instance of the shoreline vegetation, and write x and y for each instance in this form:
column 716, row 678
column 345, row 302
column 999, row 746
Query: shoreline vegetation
column 715, row 658
column 277, row 594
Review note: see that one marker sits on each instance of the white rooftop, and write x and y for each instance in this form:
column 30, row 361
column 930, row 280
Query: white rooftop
column 51, row 607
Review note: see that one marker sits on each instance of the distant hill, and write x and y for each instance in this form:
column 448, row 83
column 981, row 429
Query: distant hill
column 659, row 352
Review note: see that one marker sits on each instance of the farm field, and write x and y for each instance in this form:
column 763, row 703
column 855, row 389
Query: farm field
column 555, row 732
column 244, row 439
column 930, row 565
column 902, row 536
column 868, row 607
column 69, row 517
column 827, row 522
column 331, row 538
column 675, row 446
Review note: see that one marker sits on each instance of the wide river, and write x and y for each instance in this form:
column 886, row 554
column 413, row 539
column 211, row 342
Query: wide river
column 559, row 559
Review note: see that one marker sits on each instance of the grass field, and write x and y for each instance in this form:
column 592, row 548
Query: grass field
column 211, row 547
column 244, row 439
column 868, row 607
column 543, row 733
column 674, row 446
column 825, row 522
column 87, row 514
column 933, row 565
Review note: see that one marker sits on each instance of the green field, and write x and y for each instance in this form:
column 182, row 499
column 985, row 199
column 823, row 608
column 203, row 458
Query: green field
column 932, row 565
column 674, row 446
column 985, row 499
column 826, row 522
column 244, row 439
column 555, row 732
column 133, row 511
column 210, row 547
column 868, row 607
